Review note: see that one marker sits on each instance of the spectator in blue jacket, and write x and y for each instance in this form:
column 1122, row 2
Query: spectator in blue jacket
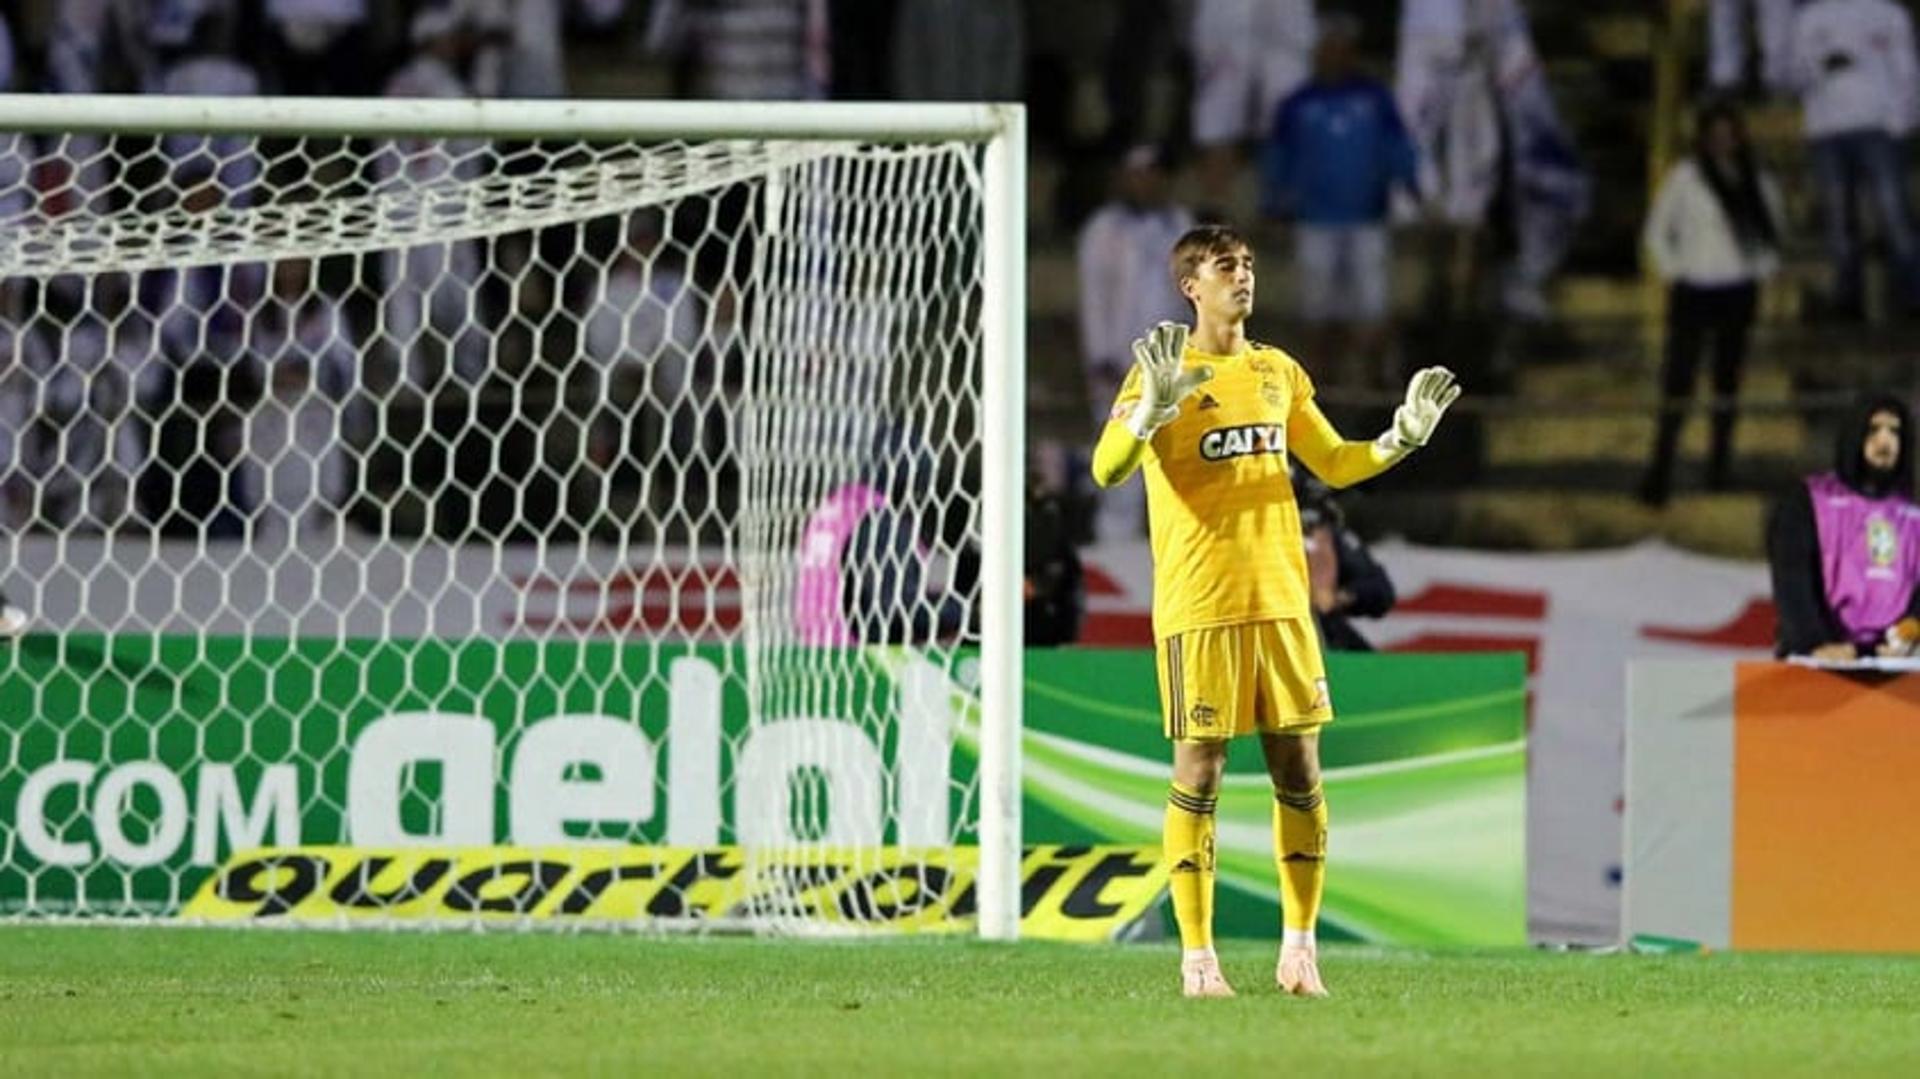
column 1337, row 147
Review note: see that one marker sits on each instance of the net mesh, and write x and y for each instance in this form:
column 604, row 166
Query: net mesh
column 418, row 496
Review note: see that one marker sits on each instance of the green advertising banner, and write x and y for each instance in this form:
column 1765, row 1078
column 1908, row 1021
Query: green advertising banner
column 131, row 767
column 1424, row 773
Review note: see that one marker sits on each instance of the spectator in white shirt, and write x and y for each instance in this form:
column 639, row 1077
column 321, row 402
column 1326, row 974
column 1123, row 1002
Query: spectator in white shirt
column 210, row 170
column 1248, row 55
column 84, row 442
column 640, row 343
column 119, row 46
column 297, row 437
column 1727, row 38
column 1713, row 235
column 317, row 46
column 535, row 55
column 127, row 47
column 1859, row 83
column 1474, row 93
column 430, row 288
column 1125, row 288
column 744, row 50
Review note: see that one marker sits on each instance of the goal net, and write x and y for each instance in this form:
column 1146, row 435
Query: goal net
column 574, row 513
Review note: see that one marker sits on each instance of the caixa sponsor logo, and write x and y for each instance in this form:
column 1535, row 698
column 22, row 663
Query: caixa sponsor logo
column 1249, row 440
column 562, row 777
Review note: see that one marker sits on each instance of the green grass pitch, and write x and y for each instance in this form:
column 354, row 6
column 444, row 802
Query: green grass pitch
column 116, row 1001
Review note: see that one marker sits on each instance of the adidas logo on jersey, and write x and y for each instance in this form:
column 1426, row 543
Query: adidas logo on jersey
column 1207, row 402
column 1251, row 440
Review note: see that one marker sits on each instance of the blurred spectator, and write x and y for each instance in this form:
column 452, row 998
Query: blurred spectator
column 210, row 171
column 1054, row 584
column 196, row 485
column 119, row 46
column 1855, row 68
column 1126, row 288
column 1728, row 25
column 1844, row 547
column 535, row 58
column 1474, row 93
column 744, row 50
column 16, row 403
column 317, row 46
column 1447, row 99
column 82, row 442
column 201, row 313
column 297, row 438
column 865, row 555
column 1335, row 152
column 641, row 327
column 1248, row 55
column 1713, row 235
column 958, row 50
column 430, row 289
column 16, row 151
column 1345, row 580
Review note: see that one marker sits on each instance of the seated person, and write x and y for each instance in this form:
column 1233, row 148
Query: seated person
column 869, row 547
column 1054, row 584
column 1346, row 581
column 1844, row 547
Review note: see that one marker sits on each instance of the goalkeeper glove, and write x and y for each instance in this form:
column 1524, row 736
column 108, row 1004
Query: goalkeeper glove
column 1428, row 395
column 1163, row 383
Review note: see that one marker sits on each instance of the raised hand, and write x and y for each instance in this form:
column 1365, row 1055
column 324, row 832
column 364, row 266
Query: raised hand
column 1429, row 393
column 1164, row 381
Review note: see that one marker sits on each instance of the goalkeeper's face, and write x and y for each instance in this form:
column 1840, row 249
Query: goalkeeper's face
column 1221, row 287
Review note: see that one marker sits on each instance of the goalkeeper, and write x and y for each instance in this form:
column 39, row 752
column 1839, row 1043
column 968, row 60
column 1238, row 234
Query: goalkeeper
column 1210, row 418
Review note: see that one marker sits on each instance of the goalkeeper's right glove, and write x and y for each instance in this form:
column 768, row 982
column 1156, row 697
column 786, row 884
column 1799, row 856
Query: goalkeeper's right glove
column 1163, row 383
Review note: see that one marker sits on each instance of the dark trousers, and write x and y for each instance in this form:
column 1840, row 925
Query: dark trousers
column 1696, row 319
column 1858, row 167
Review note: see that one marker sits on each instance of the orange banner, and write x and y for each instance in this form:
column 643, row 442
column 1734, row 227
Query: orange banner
column 1826, row 810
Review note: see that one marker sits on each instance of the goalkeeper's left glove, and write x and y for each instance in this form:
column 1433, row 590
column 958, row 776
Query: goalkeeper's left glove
column 1428, row 395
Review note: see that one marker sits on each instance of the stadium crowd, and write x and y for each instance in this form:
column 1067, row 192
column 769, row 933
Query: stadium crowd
column 1345, row 129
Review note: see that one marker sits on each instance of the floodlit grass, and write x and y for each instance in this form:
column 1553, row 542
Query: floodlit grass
column 94, row 1001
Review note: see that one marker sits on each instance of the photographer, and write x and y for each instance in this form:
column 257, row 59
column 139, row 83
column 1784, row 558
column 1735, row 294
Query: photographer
column 1346, row 581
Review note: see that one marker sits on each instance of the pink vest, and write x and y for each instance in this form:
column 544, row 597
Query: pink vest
column 1869, row 555
column 817, row 613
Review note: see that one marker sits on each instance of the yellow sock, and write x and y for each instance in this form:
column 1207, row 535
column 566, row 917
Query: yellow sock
column 1300, row 848
column 1189, row 850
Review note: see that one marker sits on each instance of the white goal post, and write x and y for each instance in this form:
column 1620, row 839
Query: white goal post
column 545, row 412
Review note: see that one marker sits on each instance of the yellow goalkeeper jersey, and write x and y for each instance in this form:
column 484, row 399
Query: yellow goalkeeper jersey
column 1225, row 528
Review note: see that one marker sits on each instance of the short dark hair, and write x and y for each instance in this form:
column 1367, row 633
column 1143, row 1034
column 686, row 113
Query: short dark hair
column 1200, row 244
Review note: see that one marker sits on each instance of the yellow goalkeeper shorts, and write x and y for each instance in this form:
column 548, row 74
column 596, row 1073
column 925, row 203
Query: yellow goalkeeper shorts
column 1224, row 681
